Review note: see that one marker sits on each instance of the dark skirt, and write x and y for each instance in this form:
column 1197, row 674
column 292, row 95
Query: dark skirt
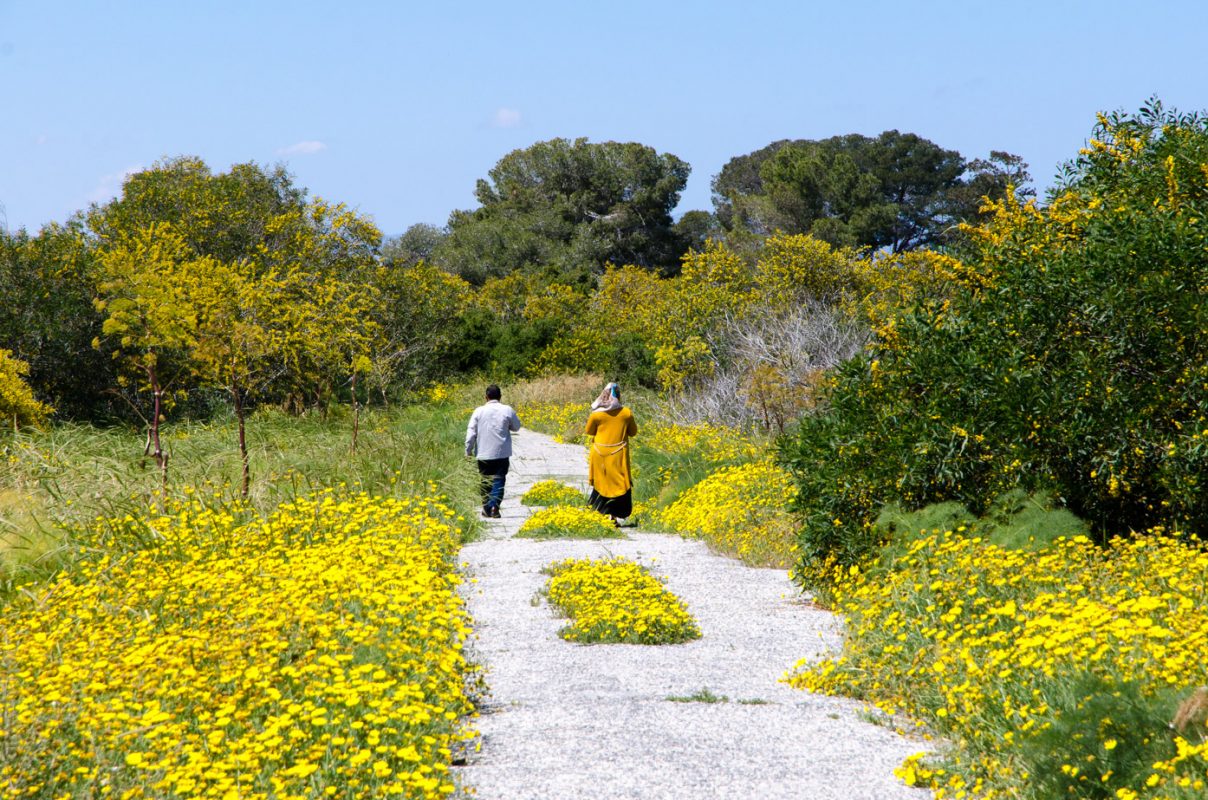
column 620, row 507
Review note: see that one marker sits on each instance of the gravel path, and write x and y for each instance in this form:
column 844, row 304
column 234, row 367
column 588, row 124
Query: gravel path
column 570, row 721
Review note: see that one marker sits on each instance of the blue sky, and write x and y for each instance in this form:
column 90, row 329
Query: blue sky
column 397, row 108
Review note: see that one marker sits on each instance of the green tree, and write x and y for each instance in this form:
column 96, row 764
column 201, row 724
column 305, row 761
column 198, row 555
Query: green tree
column 150, row 320
column 239, row 281
column 47, row 318
column 897, row 191
column 416, row 244
column 418, row 317
column 569, row 208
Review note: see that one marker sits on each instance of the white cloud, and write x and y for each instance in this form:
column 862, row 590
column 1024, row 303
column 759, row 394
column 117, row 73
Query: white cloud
column 108, row 186
column 306, row 148
column 505, row 118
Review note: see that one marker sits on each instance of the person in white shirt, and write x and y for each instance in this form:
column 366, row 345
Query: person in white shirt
column 489, row 439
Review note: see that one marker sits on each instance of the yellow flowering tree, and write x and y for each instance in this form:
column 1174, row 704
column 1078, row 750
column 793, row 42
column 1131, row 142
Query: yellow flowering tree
column 17, row 401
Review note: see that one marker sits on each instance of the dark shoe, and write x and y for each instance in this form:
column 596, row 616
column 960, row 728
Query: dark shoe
column 495, row 512
column 486, row 512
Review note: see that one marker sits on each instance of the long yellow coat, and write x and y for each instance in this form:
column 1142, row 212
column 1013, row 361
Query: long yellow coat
column 608, row 468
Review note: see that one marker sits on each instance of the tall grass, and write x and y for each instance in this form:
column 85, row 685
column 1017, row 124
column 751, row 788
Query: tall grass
column 54, row 483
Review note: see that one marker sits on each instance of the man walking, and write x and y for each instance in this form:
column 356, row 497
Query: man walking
column 489, row 438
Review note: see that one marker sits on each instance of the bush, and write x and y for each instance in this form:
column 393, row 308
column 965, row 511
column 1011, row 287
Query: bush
column 1071, row 357
column 17, row 403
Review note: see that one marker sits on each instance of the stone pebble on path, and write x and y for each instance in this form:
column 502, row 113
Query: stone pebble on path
column 565, row 721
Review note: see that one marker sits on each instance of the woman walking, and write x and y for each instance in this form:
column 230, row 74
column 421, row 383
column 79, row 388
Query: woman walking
column 611, row 425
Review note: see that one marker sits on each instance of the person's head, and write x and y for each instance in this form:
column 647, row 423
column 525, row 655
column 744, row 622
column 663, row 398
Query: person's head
column 493, row 392
column 615, row 390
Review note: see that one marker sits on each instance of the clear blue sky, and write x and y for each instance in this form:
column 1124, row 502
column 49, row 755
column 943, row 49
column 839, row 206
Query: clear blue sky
column 397, row 108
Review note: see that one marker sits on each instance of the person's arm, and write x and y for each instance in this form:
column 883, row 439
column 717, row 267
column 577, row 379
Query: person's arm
column 472, row 434
column 592, row 425
column 632, row 428
column 514, row 421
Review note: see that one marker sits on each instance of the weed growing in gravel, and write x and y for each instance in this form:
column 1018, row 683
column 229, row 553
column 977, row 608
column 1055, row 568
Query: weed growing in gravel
column 700, row 696
column 568, row 522
column 616, row 600
column 553, row 493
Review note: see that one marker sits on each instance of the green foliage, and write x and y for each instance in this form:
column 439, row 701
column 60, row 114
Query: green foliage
column 569, row 207
column 416, row 244
column 1088, row 711
column 1076, row 364
column 897, row 191
column 48, row 321
column 1015, row 521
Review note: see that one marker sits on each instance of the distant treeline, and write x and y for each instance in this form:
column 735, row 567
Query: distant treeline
column 193, row 285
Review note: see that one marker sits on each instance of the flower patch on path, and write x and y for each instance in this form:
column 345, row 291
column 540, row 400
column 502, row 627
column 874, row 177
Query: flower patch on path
column 553, row 493
column 617, row 601
column 568, row 522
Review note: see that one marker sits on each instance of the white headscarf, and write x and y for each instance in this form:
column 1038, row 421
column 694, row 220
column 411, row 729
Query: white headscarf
column 609, row 399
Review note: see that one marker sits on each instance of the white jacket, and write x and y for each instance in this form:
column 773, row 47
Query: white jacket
column 489, row 434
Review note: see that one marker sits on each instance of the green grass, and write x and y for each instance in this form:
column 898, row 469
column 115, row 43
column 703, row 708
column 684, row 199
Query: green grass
column 58, row 481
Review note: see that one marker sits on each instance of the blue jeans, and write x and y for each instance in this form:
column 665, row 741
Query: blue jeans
column 493, row 472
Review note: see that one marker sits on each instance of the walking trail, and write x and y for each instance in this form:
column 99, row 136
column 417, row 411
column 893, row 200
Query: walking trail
column 566, row 721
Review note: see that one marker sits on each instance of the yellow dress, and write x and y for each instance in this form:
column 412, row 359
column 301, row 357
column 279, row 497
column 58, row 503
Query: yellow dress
column 608, row 467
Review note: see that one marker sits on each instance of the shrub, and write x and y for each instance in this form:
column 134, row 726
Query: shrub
column 18, row 406
column 1070, row 357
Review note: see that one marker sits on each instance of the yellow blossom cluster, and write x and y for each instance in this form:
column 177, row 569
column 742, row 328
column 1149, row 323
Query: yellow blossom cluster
column 552, row 493
column 740, row 510
column 616, row 600
column 1072, row 656
column 568, row 522
column 716, row 444
column 312, row 652
column 563, row 421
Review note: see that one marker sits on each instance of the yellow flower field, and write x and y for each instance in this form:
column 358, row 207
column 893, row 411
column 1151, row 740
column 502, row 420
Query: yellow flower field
column 1070, row 671
column 616, row 600
column 717, row 444
column 313, row 652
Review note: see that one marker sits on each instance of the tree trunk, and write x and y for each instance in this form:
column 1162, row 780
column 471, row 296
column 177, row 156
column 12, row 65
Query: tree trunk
column 237, row 394
column 157, row 452
column 356, row 413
